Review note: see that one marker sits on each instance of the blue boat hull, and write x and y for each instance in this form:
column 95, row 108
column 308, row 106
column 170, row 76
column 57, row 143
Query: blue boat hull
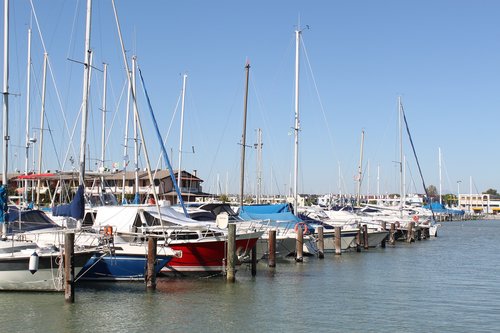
column 119, row 267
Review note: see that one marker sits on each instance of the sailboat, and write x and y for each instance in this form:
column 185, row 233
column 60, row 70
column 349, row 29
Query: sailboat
column 280, row 217
column 31, row 248
column 203, row 245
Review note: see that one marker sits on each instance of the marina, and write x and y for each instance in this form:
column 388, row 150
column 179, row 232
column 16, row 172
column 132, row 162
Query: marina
column 98, row 231
column 443, row 284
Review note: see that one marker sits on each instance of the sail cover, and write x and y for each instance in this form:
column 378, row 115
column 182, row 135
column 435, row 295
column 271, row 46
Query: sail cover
column 3, row 204
column 75, row 209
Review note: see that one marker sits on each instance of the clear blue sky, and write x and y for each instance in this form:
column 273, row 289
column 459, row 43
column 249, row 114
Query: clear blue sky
column 442, row 57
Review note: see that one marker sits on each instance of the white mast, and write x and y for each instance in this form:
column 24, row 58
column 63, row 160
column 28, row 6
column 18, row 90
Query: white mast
column 86, row 87
column 440, row 192
column 401, row 181
column 259, row 165
column 28, row 95
column 339, row 181
column 227, row 180
column 136, row 140
column 470, row 193
column 297, row 123
column 125, row 144
column 5, row 106
column 181, row 132
column 360, row 168
column 103, row 132
column 378, row 181
column 404, row 180
column 217, row 186
column 368, row 179
column 42, row 122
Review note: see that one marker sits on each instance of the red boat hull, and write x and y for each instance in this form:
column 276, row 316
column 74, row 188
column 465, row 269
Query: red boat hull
column 204, row 256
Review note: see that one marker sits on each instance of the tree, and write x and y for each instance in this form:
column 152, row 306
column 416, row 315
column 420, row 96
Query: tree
column 224, row 198
column 492, row 192
column 432, row 191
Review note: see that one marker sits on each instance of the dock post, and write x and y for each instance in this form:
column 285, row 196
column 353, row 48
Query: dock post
column 231, row 252
column 151, row 263
column 419, row 233
column 382, row 243
column 365, row 236
column 299, row 245
column 392, row 239
column 338, row 241
column 358, row 240
column 69, row 267
column 409, row 232
column 321, row 243
column 272, row 248
column 254, row 260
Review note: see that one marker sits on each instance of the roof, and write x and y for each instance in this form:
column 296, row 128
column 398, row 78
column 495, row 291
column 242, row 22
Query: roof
column 129, row 175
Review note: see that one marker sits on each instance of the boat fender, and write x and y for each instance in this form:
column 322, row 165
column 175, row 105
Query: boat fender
column 33, row 263
column 296, row 228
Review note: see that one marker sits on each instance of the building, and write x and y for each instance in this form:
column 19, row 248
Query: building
column 479, row 203
column 52, row 186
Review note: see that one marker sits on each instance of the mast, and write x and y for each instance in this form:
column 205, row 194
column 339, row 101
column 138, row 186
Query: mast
column 42, row 122
column 125, row 144
column 28, row 96
column 401, row 181
column 5, row 116
column 181, row 132
column 368, row 179
column 297, row 123
column 378, row 181
column 360, row 169
column 244, row 134
column 404, row 179
column 136, row 115
column 103, row 130
column 259, row 165
column 440, row 192
column 136, row 140
column 86, row 87
column 340, row 180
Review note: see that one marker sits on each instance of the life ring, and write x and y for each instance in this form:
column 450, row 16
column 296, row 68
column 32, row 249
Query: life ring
column 296, row 228
column 415, row 218
column 108, row 230
column 396, row 225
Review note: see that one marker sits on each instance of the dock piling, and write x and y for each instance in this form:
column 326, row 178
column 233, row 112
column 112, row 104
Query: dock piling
column 392, row 238
column 254, row 260
column 272, row 248
column 151, row 263
column 382, row 243
column 69, row 267
column 321, row 243
column 231, row 252
column 338, row 241
column 365, row 236
column 299, row 245
column 358, row 240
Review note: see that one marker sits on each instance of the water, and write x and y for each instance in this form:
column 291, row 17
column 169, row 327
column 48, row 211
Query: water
column 445, row 284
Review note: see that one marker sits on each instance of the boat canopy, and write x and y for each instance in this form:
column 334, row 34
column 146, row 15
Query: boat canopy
column 438, row 208
column 28, row 220
column 275, row 213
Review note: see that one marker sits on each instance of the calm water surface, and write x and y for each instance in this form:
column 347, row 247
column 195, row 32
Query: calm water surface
column 446, row 284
